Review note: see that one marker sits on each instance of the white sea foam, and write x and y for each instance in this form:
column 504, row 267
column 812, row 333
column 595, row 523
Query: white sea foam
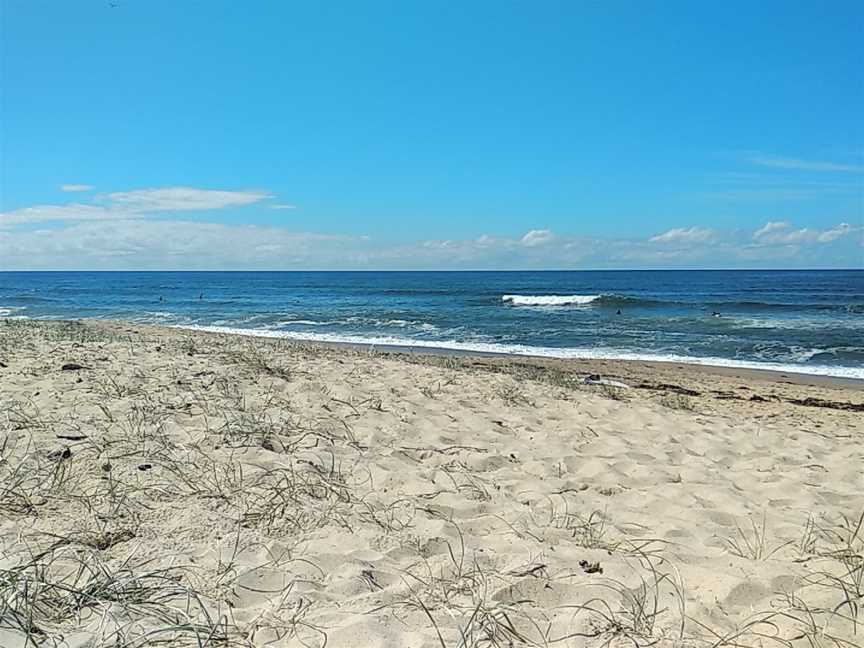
column 550, row 300
column 363, row 321
column 797, row 324
column 6, row 311
column 546, row 352
column 304, row 322
column 153, row 317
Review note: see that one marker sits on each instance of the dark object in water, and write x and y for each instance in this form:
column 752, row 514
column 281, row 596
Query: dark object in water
column 72, row 366
column 619, row 312
column 71, row 437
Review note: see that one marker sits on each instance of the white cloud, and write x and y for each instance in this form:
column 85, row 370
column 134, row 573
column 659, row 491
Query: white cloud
column 172, row 244
column 134, row 204
column 181, row 199
column 281, row 206
column 76, row 187
column 782, row 233
column 831, row 235
column 777, row 162
column 118, row 232
column 535, row 238
column 48, row 213
column 685, row 235
column 771, row 228
column 178, row 244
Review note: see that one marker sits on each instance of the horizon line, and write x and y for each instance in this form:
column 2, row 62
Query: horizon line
column 811, row 269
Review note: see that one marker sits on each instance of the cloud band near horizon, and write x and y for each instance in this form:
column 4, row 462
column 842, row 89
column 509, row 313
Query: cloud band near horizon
column 118, row 230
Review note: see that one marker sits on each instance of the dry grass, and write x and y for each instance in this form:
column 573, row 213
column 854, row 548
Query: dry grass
column 65, row 585
column 512, row 395
column 754, row 544
column 678, row 402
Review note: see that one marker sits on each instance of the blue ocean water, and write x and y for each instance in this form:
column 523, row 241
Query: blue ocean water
column 805, row 321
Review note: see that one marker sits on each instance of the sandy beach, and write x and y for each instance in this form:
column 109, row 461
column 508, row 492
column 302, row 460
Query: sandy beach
column 166, row 487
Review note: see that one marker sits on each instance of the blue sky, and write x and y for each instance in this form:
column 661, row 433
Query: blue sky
column 218, row 134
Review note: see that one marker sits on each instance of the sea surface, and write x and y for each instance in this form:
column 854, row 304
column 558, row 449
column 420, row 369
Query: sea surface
column 801, row 321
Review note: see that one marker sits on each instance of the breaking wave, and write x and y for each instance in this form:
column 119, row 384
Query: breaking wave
column 616, row 301
column 550, row 300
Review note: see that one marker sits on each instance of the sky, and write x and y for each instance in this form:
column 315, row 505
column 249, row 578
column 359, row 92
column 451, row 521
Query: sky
column 156, row 134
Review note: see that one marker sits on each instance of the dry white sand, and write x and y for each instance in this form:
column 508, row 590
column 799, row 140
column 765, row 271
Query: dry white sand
column 191, row 489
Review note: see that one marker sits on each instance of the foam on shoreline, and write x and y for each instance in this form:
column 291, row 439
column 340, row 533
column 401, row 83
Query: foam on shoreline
column 533, row 351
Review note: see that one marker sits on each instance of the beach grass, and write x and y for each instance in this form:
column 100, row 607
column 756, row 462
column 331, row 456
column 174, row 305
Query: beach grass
column 181, row 489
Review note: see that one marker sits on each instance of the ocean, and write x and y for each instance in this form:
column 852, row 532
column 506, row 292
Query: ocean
column 795, row 321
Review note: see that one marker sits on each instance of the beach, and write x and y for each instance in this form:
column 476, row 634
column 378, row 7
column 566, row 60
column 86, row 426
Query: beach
column 431, row 325
column 161, row 486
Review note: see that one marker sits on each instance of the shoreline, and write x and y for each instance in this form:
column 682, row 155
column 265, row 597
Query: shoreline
column 770, row 373
column 588, row 365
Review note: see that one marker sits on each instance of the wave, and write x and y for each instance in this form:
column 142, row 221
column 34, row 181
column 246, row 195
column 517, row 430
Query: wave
column 363, row 321
column 617, row 301
column 794, row 324
column 6, row 311
column 306, row 322
column 277, row 321
column 570, row 353
column 550, row 300
column 843, row 354
column 787, row 307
